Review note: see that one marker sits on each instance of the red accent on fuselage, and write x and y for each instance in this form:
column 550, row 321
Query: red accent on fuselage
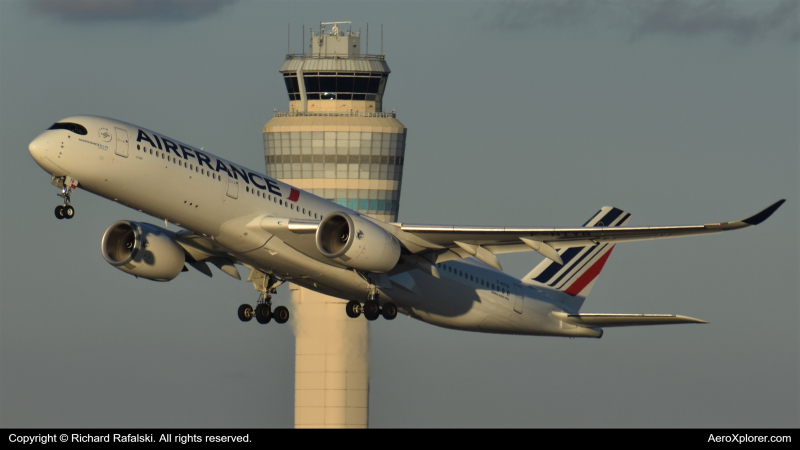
column 294, row 195
column 589, row 275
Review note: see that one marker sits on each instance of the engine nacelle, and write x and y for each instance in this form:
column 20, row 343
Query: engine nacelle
column 357, row 243
column 143, row 250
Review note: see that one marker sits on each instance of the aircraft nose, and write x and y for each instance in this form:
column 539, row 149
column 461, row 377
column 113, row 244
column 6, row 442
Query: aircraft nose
column 37, row 147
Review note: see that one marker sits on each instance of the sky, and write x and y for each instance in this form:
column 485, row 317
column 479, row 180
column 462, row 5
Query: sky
column 519, row 114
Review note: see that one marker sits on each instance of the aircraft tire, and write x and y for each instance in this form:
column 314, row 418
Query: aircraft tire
column 372, row 310
column 245, row 313
column 59, row 212
column 69, row 212
column 353, row 309
column 281, row 314
column 389, row 311
column 263, row 314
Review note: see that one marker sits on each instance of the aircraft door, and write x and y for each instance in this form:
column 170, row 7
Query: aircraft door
column 519, row 298
column 122, row 142
column 233, row 187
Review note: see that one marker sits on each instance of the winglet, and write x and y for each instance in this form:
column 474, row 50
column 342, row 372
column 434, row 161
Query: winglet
column 764, row 215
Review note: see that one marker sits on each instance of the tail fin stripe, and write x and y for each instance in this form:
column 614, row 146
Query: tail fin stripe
column 593, row 251
column 553, row 268
column 573, row 273
column 589, row 275
column 569, row 269
column 608, row 218
column 622, row 219
column 592, row 218
column 571, row 282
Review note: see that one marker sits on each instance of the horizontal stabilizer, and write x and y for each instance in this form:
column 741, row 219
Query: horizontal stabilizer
column 624, row 320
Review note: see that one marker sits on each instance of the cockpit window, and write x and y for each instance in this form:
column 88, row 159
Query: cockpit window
column 74, row 127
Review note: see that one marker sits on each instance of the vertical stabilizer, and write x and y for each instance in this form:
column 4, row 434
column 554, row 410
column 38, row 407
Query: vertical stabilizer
column 575, row 278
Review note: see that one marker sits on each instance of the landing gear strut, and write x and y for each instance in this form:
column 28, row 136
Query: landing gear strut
column 371, row 308
column 66, row 184
column 266, row 285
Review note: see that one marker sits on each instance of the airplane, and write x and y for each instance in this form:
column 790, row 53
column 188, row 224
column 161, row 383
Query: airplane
column 447, row 276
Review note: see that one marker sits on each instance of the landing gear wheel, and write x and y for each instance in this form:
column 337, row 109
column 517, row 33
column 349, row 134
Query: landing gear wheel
column 371, row 310
column 69, row 212
column 389, row 311
column 281, row 314
column 263, row 314
column 353, row 309
column 59, row 212
column 245, row 313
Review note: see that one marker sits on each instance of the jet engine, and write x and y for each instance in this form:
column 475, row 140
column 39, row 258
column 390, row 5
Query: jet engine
column 143, row 250
column 357, row 243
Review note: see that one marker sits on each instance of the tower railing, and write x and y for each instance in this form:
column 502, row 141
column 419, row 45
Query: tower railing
column 367, row 57
column 381, row 115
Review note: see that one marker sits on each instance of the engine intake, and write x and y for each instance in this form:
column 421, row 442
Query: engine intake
column 143, row 250
column 357, row 243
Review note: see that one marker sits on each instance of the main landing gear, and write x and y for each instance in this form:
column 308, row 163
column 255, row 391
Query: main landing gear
column 371, row 308
column 66, row 184
column 267, row 285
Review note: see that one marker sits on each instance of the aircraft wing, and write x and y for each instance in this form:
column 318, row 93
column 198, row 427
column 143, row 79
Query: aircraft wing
column 439, row 243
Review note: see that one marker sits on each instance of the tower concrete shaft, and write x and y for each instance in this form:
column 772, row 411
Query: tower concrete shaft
column 335, row 142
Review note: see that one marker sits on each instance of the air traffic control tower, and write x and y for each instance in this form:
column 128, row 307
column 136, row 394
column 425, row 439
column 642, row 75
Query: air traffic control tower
column 335, row 142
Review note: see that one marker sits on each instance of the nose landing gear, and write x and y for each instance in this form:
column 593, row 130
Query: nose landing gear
column 66, row 184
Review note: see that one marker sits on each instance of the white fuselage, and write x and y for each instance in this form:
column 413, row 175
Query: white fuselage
column 216, row 198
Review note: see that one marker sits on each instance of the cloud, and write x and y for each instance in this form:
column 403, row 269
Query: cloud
column 741, row 21
column 119, row 10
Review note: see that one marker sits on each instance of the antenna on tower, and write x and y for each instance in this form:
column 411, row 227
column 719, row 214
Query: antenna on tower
column 367, row 38
column 288, row 38
column 381, row 39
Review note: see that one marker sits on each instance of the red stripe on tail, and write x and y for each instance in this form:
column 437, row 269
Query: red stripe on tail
column 294, row 195
column 589, row 275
